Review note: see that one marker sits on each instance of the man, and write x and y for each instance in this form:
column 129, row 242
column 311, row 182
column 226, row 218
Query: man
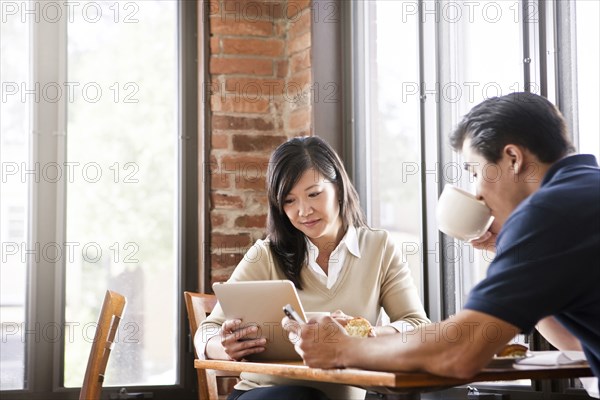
column 546, row 204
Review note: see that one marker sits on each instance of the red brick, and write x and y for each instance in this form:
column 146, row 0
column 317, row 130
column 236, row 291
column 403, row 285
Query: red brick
column 256, row 88
column 259, row 47
column 225, row 122
column 226, row 260
column 222, row 200
column 282, row 69
column 300, row 43
column 227, row 25
column 240, row 160
column 294, row 7
column 300, row 119
column 251, row 221
column 219, row 181
column 258, row 199
column 215, row 87
column 300, row 61
column 238, row 65
column 300, row 24
column 219, row 141
column 246, row 171
column 254, row 9
column 238, row 241
column 272, row 9
column 252, row 181
column 217, row 220
column 220, row 274
column 240, row 104
column 215, row 47
column 211, row 8
column 207, row 170
column 281, row 28
column 301, row 80
column 252, row 143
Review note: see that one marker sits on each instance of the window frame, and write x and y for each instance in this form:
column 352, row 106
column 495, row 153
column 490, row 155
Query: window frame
column 542, row 65
column 45, row 285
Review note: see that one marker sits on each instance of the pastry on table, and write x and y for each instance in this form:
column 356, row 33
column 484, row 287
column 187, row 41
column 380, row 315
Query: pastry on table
column 359, row 327
column 513, row 350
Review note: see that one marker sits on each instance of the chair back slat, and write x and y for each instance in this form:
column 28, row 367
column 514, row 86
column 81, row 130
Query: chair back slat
column 111, row 313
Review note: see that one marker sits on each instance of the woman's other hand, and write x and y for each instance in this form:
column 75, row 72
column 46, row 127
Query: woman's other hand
column 340, row 317
column 236, row 342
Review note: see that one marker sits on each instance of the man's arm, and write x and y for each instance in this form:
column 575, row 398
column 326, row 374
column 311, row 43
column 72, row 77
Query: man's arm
column 457, row 347
column 558, row 335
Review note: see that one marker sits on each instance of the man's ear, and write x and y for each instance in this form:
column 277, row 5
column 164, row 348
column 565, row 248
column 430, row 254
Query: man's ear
column 515, row 156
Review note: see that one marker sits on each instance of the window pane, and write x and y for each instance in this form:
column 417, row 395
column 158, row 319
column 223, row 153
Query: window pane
column 394, row 137
column 14, row 149
column 489, row 53
column 588, row 65
column 121, row 193
column 486, row 62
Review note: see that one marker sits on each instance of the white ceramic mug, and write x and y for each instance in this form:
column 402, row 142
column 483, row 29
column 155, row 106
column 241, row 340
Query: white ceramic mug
column 461, row 215
column 315, row 314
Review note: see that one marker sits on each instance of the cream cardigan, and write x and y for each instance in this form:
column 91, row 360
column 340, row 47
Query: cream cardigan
column 377, row 279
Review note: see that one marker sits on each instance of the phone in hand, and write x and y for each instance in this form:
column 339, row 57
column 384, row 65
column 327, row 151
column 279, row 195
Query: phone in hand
column 292, row 314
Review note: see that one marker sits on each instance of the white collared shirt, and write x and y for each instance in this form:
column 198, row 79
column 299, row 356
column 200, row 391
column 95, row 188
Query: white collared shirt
column 348, row 246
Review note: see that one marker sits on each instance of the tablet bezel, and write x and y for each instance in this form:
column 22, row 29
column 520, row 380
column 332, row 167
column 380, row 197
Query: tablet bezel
column 261, row 303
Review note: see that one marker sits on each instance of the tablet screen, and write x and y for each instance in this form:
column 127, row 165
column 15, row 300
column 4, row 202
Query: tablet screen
column 261, row 303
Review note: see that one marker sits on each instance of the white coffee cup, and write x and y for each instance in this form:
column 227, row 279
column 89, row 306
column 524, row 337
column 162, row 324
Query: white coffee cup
column 315, row 314
column 461, row 215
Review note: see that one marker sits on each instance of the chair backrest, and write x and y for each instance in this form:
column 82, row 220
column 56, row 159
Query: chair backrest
column 198, row 306
column 108, row 322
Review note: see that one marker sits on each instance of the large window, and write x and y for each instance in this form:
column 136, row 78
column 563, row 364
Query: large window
column 588, row 80
column 420, row 66
column 121, row 208
column 390, row 118
column 92, row 183
column 14, row 151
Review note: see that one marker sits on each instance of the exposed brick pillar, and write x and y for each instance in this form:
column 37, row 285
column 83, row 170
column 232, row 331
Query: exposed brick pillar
column 260, row 96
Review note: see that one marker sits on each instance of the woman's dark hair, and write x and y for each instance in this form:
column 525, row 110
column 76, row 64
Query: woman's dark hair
column 521, row 118
column 287, row 164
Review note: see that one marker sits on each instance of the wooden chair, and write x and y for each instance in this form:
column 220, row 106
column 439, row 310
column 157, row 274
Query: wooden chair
column 198, row 307
column 108, row 322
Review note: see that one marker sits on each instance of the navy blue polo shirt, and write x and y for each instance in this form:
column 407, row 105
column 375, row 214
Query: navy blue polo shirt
column 548, row 257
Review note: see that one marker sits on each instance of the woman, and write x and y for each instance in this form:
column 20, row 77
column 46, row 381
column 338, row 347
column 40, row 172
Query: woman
column 318, row 239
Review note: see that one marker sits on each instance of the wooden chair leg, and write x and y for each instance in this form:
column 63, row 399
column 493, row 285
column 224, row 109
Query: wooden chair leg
column 207, row 385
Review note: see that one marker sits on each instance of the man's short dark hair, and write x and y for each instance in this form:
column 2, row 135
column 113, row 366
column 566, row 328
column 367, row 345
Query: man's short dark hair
column 523, row 119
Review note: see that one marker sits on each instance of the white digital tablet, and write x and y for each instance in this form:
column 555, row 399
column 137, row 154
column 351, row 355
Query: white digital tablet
column 261, row 303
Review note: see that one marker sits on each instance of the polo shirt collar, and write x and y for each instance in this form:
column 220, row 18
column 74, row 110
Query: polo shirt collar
column 577, row 159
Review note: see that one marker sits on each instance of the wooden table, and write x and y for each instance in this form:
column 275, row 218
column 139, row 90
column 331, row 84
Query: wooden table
column 411, row 383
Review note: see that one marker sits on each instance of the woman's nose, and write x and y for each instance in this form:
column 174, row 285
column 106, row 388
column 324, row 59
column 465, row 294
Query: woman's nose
column 304, row 209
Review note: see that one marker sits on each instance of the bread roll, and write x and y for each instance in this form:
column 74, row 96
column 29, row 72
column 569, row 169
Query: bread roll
column 513, row 350
column 359, row 327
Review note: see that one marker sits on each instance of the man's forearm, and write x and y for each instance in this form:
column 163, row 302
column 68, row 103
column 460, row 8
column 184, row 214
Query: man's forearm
column 458, row 347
